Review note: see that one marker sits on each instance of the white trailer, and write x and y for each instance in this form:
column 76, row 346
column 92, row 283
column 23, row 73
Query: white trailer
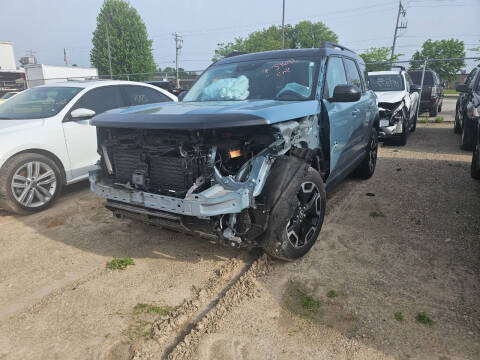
column 41, row 74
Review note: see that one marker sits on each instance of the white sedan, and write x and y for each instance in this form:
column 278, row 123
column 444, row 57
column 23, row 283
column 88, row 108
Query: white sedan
column 46, row 140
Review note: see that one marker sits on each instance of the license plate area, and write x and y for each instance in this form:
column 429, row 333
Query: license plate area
column 384, row 123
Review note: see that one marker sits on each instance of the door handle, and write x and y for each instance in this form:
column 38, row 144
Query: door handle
column 355, row 112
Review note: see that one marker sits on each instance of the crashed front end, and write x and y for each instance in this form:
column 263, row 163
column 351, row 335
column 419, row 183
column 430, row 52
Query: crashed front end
column 207, row 182
column 391, row 119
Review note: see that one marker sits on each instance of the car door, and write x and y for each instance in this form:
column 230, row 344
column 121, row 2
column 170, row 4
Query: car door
column 80, row 136
column 359, row 121
column 340, row 115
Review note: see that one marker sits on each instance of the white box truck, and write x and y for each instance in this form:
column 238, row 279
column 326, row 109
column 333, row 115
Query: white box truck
column 41, row 74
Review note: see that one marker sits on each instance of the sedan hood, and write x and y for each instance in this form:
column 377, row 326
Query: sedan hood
column 390, row 96
column 206, row 115
column 10, row 126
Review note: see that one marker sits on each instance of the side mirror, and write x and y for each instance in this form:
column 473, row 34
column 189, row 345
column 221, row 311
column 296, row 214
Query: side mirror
column 82, row 114
column 414, row 88
column 345, row 93
column 463, row 88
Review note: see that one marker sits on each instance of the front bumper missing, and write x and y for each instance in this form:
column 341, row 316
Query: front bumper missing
column 227, row 196
column 391, row 130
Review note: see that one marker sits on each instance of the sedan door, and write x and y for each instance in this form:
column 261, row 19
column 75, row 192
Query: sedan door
column 80, row 136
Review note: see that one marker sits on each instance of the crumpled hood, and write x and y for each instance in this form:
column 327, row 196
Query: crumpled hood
column 390, row 96
column 206, row 114
column 10, row 126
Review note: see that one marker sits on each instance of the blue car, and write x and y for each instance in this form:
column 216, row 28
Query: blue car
column 247, row 157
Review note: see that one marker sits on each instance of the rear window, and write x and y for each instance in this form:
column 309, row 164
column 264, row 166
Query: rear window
column 417, row 77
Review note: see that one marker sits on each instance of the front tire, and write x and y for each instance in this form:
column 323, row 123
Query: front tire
column 29, row 183
column 402, row 139
column 457, row 129
column 467, row 135
column 297, row 218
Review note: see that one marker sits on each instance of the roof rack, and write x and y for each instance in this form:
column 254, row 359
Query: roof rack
column 399, row 67
column 235, row 53
column 329, row 44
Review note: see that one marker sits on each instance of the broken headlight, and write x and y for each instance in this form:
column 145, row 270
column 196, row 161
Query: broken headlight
column 397, row 114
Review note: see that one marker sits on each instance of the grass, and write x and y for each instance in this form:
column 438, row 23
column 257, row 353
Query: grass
column 300, row 302
column 423, row 120
column 398, row 316
column 423, row 318
column 376, row 214
column 450, row 92
column 439, row 119
column 120, row 263
column 149, row 309
column 332, row 294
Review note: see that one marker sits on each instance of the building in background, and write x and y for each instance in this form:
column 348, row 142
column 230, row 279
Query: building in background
column 41, row 74
column 11, row 78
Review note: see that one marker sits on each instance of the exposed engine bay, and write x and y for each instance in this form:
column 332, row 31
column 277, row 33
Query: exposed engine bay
column 207, row 181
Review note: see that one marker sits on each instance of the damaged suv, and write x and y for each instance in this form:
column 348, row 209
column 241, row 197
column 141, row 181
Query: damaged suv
column 398, row 101
column 247, row 157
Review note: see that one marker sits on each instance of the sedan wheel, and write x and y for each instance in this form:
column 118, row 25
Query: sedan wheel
column 34, row 184
column 29, row 182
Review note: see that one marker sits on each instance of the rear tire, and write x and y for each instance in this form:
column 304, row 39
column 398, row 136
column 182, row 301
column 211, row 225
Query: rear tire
column 434, row 110
column 414, row 125
column 475, row 166
column 402, row 138
column 29, row 183
column 367, row 168
column 297, row 217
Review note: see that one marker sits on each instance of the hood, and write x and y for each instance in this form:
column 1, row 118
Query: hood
column 390, row 96
column 9, row 126
column 206, row 114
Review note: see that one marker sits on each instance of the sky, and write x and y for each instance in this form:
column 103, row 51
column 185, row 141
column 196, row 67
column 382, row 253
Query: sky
column 47, row 27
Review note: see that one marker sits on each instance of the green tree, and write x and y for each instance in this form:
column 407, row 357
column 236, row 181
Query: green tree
column 373, row 56
column 441, row 49
column 303, row 35
column 131, row 50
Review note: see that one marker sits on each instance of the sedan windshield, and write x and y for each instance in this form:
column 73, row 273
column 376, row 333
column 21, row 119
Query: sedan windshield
column 39, row 102
column 393, row 82
column 272, row 79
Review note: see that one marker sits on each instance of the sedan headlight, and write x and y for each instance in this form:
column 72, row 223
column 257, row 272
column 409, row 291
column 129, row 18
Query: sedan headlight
column 397, row 114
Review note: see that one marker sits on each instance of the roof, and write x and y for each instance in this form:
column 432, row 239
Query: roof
column 94, row 83
column 289, row 53
column 384, row 72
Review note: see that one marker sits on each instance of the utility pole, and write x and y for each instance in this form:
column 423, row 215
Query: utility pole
column 109, row 53
column 178, row 45
column 283, row 26
column 402, row 25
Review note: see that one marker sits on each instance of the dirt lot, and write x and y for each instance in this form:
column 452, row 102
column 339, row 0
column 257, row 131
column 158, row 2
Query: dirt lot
column 412, row 247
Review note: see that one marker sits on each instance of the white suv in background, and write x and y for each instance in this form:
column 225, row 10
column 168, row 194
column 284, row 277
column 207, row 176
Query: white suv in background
column 46, row 140
column 398, row 101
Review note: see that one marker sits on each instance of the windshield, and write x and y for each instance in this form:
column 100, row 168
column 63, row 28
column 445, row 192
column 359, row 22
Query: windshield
column 39, row 102
column 279, row 79
column 417, row 77
column 387, row 82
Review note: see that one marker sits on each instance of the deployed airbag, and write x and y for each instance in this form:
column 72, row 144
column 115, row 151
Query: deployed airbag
column 227, row 89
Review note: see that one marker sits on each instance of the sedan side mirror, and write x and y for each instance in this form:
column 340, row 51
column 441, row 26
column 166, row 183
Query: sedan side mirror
column 463, row 88
column 82, row 114
column 345, row 93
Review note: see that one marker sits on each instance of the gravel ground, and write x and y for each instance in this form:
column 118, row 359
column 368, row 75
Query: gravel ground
column 201, row 300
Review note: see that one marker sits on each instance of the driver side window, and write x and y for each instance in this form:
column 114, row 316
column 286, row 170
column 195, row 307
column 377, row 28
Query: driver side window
column 101, row 99
column 335, row 76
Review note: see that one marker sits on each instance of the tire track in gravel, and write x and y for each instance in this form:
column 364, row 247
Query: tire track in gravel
column 177, row 336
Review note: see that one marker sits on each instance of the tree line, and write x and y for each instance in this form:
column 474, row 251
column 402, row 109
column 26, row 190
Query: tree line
column 121, row 29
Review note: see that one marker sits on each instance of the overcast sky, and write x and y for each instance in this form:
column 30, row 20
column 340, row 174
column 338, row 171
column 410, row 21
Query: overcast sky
column 47, row 27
